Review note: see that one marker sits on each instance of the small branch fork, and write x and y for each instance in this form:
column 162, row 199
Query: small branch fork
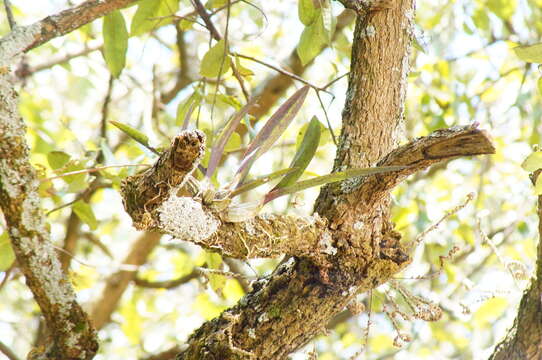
column 270, row 235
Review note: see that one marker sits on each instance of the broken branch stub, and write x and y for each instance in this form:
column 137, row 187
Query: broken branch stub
column 144, row 192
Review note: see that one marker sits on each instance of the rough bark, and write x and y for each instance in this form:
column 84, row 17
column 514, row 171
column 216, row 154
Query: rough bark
column 524, row 339
column 286, row 310
column 71, row 334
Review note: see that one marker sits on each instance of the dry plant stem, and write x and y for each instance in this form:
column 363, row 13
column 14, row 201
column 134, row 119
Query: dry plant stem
column 145, row 191
column 524, row 339
column 117, row 283
column 25, row 38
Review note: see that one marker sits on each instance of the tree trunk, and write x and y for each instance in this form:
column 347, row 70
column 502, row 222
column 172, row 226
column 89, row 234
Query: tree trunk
column 284, row 312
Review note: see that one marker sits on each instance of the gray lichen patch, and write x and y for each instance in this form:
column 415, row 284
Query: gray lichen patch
column 16, row 42
column 184, row 218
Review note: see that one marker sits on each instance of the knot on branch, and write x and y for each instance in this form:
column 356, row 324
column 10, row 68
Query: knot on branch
column 144, row 192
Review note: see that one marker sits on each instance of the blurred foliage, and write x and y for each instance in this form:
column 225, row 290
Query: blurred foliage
column 470, row 70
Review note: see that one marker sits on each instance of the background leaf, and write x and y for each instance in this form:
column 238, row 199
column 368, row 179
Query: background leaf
column 214, row 59
column 115, row 42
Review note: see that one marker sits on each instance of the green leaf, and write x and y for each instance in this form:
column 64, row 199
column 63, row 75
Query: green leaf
column 304, row 153
column 531, row 53
column 115, row 42
column 503, row 8
column 133, row 133
column 271, row 131
column 533, row 162
column 57, row 159
column 260, row 181
column 85, row 213
column 217, row 281
column 243, row 71
column 312, row 39
column 215, row 59
column 306, row 11
column 481, row 19
column 150, row 15
column 7, row 256
column 539, row 83
column 330, row 178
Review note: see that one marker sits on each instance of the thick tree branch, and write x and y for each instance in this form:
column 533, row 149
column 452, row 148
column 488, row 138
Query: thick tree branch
column 72, row 336
column 24, row 38
column 117, row 283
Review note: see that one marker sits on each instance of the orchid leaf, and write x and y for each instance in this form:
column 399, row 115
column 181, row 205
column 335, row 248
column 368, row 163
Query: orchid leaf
column 272, row 130
column 262, row 180
column 218, row 149
column 330, row 178
column 304, row 154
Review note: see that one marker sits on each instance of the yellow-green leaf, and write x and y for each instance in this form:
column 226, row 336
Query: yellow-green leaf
column 151, row 14
column 306, row 11
column 312, row 39
column 133, row 133
column 115, row 42
column 85, row 213
column 7, row 257
column 531, row 53
column 304, row 153
column 533, row 162
column 539, row 83
column 57, row 159
column 215, row 60
column 503, row 8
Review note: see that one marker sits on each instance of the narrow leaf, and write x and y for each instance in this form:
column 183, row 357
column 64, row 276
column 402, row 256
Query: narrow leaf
column 272, row 130
column 531, row 53
column 133, row 133
column 261, row 180
column 330, row 178
column 304, row 153
column 215, row 60
column 218, row 148
column 115, row 42
column 306, row 11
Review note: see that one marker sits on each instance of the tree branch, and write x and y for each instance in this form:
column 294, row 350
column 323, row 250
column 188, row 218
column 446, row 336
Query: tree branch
column 24, row 38
column 117, row 283
column 72, row 335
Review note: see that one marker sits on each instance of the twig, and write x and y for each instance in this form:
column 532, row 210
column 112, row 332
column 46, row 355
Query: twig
column 280, row 71
column 91, row 170
column 9, row 14
column 6, row 350
column 216, row 35
column 449, row 213
column 167, row 284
